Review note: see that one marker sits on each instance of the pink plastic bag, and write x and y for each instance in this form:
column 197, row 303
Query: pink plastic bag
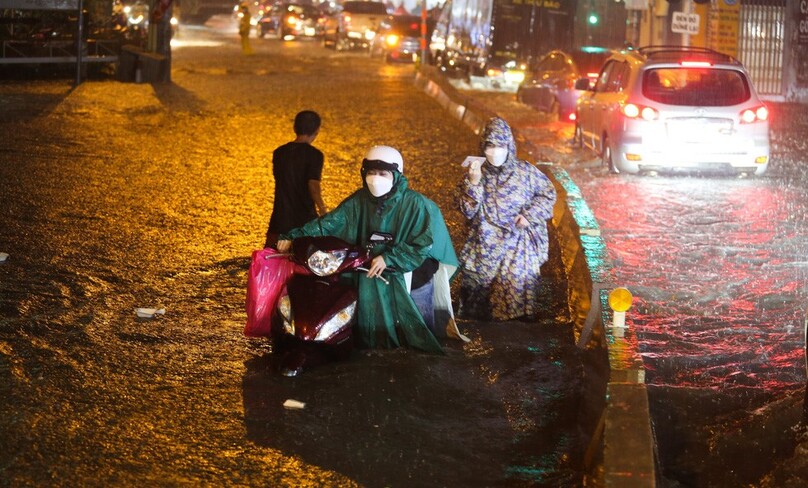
column 268, row 276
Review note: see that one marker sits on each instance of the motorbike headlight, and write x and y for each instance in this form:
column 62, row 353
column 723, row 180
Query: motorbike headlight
column 325, row 263
column 285, row 309
column 336, row 322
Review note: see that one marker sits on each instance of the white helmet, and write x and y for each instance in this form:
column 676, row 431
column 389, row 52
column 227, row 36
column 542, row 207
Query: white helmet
column 387, row 154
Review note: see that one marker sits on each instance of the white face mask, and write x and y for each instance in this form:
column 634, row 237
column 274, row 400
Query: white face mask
column 379, row 185
column 496, row 155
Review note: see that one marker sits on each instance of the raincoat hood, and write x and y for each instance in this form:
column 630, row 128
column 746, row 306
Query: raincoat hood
column 498, row 133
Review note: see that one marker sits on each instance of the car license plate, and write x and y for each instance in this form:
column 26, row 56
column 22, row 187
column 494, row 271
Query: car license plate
column 697, row 129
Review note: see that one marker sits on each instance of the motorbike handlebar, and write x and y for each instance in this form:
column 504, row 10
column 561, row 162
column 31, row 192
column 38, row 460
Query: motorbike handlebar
column 386, row 282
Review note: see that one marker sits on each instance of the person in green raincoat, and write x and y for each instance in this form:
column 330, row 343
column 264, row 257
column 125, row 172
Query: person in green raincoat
column 429, row 284
column 387, row 316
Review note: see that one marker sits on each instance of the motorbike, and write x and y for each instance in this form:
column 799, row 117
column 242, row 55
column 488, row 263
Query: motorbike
column 317, row 310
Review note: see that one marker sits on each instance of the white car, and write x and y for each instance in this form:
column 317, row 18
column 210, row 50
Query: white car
column 672, row 108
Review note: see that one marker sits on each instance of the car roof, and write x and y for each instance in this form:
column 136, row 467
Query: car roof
column 675, row 54
column 363, row 6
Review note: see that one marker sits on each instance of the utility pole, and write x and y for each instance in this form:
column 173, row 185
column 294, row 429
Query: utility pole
column 423, row 32
column 79, row 42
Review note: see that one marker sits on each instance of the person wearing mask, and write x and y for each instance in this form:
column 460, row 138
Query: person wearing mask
column 387, row 316
column 297, row 167
column 506, row 202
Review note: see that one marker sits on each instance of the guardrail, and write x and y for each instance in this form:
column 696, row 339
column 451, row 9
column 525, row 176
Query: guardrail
column 58, row 51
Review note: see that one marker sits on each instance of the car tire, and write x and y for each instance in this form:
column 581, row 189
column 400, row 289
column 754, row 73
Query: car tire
column 555, row 110
column 606, row 155
column 578, row 137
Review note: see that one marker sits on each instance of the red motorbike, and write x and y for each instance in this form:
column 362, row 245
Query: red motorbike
column 317, row 310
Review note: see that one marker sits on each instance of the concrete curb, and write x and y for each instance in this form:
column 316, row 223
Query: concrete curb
column 615, row 416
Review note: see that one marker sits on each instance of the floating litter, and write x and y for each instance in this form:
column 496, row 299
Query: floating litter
column 148, row 313
column 293, row 404
column 3, row 256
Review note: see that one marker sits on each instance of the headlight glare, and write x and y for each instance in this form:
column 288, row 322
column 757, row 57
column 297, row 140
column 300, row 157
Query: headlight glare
column 285, row 309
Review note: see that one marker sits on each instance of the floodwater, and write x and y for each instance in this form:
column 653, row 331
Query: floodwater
column 719, row 270
column 115, row 196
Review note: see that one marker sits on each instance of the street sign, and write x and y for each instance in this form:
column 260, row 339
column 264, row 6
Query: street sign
column 40, row 4
column 636, row 4
column 683, row 23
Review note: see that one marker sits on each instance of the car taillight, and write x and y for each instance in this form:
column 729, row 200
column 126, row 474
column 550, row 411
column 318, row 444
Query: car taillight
column 634, row 111
column 391, row 40
column 757, row 114
column 494, row 72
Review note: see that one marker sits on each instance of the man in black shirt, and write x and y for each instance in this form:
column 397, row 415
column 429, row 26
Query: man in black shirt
column 297, row 167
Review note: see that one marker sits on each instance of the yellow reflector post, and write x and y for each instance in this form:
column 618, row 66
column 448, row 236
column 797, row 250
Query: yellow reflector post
column 620, row 299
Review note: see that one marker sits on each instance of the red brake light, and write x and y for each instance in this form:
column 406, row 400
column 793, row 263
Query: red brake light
column 757, row 114
column 696, row 64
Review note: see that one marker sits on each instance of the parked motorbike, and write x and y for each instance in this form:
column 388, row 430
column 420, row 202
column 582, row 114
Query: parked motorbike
column 317, row 310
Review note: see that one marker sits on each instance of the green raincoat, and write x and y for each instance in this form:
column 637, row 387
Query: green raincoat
column 387, row 316
column 443, row 252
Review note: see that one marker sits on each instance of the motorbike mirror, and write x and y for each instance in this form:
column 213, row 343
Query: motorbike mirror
column 380, row 238
column 582, row 84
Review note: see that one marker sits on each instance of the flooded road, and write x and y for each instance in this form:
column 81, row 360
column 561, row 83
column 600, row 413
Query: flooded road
column 719, row 270
column 116, row 196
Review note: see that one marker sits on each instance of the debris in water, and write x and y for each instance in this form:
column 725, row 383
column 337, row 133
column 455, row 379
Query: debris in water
column 293, row 404
column 148, row 313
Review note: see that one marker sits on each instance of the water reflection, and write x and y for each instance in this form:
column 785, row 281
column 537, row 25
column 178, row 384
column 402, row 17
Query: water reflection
column 721, row 289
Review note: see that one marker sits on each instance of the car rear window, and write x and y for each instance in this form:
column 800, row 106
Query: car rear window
column 302, row 10
column 589, row 62
column 364, row 8
column 705, row 87
column 406, row 26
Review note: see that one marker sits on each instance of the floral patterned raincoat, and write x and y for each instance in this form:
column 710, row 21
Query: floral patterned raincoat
column 500, row 261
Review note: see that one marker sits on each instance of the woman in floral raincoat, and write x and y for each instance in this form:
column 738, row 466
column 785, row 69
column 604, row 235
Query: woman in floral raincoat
column 507, row 202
